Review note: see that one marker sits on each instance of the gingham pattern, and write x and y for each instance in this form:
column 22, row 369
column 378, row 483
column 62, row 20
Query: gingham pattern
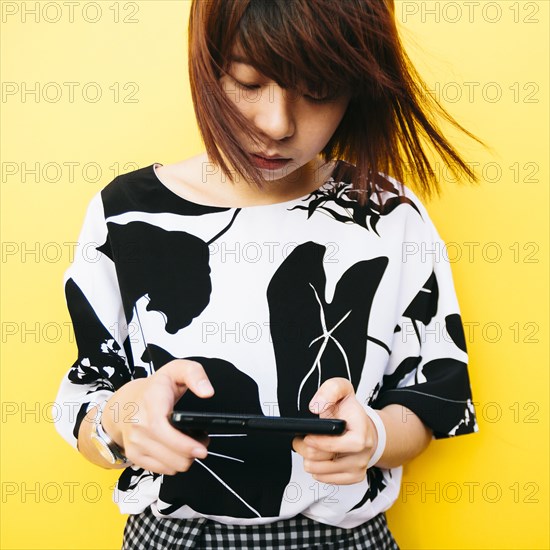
column 146, row 532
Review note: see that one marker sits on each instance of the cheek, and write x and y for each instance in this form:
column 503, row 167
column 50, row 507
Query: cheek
column 334, row 113
column 325, row 125
column 339, row 112
column 235, row 95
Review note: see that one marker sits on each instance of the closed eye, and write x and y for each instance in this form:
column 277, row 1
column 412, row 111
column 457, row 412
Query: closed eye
column 246, row 86
column 323, row 94
column 325, row 99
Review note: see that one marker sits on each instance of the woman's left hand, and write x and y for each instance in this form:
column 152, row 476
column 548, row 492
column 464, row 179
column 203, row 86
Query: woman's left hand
column 343, row 459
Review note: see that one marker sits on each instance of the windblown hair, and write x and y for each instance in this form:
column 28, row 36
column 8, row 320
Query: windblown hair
column 322, row 45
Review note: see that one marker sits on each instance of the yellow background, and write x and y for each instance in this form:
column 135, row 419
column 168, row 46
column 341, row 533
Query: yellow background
column 488, row 490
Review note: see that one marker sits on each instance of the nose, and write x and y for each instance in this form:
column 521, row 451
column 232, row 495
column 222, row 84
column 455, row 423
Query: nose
column 274, row 113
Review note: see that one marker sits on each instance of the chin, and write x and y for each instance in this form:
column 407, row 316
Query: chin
column 288, row 173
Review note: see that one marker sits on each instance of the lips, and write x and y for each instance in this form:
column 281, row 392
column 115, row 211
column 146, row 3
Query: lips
column 269, row 162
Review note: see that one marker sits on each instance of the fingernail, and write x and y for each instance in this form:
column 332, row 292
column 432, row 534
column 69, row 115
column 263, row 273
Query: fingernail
column 199, row 452
column 205, row 386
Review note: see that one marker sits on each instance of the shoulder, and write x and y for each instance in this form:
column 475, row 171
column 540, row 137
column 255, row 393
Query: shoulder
column 188, row 170
column 156, row 189
column 184, row 179
column 126, row 189
column 421, row 243
column 391, row 208
column 387, row 191
column 185, row 173
column 393, row 191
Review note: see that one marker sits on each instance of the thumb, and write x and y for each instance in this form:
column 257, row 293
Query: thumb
column 186, row 374
column 330, row 399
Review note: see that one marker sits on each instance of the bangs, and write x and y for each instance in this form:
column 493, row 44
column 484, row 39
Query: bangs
column 320, row 48
column 301, row 45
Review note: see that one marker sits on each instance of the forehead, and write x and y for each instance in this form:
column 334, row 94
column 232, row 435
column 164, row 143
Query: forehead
column 236, row 56
column 292, row 42
column 270, row 65
column 277, row 50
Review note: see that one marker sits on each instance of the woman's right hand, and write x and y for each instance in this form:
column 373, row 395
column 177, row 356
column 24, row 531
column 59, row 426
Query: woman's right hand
column 147, row 437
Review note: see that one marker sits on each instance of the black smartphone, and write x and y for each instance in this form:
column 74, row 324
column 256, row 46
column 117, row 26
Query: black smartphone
column 214, row 423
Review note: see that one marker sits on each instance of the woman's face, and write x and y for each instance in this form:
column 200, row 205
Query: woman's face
column 295, row 125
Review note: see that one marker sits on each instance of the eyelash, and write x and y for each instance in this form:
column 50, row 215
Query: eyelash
column 326, row 99
column 247, row 86
column 318, row 100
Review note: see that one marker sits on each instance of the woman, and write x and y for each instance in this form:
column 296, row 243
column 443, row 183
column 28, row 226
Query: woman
column 282, row 272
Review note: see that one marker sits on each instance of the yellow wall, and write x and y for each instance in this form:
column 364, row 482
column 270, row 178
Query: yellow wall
column 488, row 63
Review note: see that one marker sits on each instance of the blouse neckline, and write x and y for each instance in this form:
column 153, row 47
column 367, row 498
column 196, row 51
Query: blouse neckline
column 274, row 204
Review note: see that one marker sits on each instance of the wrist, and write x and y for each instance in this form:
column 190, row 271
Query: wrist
column 381, row 436
column 101, row 439
column 109, row 422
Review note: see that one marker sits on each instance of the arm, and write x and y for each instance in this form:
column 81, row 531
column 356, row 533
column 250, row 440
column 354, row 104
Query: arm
column 147, row 438
column 104, row 374
column 343, row 459
column 424, row 391
column 407, row 436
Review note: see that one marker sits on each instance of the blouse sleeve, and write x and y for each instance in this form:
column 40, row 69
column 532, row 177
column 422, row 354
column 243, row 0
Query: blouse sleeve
column 427, row 370
column 100, row 328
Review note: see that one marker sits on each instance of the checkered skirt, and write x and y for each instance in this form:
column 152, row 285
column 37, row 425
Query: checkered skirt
column 145, row 531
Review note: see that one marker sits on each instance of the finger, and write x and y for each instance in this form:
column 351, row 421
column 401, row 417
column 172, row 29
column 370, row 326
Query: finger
column 182, row 443
column 310, row 453
column 159, row 467
column 343, row 478
column 159, row 432
column 338, row 465
column 186, row 374
column 326, row 400
column 297, row 443
column 353, row 441
column 202, row 437
column 170, row 461
column 319, row 455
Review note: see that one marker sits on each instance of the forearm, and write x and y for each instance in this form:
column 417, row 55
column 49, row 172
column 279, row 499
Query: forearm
column 147, row 438
column 407, row 436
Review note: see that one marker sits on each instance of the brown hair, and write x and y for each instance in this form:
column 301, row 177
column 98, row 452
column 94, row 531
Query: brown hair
column 334, row 44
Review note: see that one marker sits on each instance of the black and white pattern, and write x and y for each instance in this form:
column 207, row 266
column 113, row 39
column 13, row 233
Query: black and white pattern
column 144, row 531
column 272, row 300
